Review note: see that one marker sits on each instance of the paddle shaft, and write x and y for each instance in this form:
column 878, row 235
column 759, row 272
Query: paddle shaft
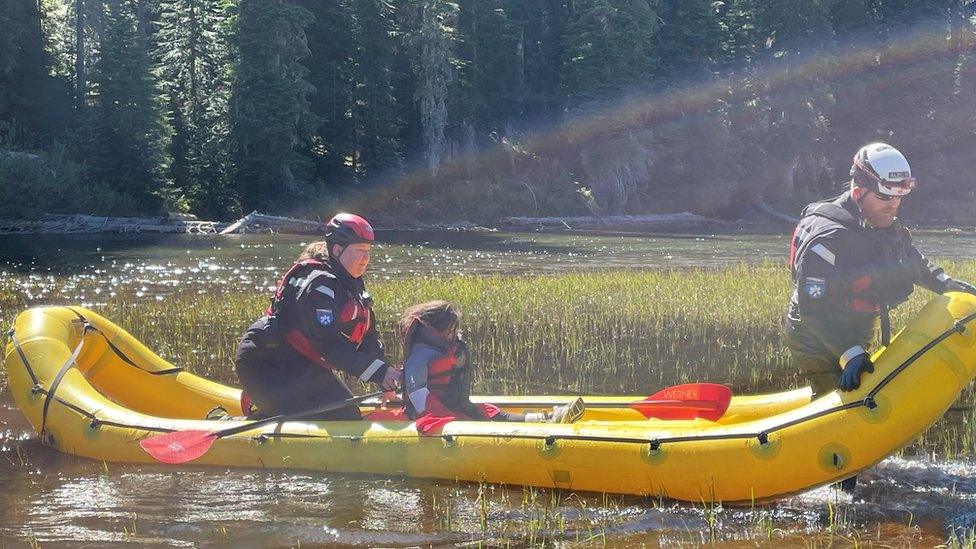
column 285, row 417
column 691, row 404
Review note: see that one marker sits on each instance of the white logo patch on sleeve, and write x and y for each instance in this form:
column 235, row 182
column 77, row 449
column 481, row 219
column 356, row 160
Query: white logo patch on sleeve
column 815, row 287
column 324, row 316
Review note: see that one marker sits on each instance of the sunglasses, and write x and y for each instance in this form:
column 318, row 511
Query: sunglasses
column 886, row 197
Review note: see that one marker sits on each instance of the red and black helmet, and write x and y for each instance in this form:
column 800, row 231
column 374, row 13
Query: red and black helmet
column 345, row 229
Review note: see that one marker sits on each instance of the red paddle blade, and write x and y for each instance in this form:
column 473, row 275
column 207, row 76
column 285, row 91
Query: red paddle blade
column 178, row 446
column 688, row 401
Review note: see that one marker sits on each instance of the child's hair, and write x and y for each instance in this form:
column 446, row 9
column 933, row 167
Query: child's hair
column 438, row 314
column 315, row 250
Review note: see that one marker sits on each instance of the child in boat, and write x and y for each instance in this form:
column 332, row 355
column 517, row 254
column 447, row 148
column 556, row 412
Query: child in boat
column 437, row 372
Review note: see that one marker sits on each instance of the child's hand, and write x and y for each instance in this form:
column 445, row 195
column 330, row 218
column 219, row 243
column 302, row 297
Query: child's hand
column 386, row 398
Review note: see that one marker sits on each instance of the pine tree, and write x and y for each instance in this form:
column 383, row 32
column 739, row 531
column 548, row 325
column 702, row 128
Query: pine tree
column 332, row 50
column 434, row 74
column 542, row 24
column 795, row 99
column 376, row 111
column 269, row 106
column 917, row 96
column 124, row 131
column 690, row 39
column 608, row 48
column 33, row 104
column 191, row 56
column 490, row 79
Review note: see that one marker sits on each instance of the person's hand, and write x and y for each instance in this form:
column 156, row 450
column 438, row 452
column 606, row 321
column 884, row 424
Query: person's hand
column 386, row 398
column 859, row 363
column 953, row 285
column 392, row 379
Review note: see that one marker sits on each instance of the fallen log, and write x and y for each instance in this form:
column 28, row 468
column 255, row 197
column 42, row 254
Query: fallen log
column 261, row 223
column 61, row 224
column 776, row 215
column 681, row 220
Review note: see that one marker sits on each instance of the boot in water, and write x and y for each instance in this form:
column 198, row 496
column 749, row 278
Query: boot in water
column 847, row 485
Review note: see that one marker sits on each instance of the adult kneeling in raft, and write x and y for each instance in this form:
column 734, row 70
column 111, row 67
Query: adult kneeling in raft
column 320, row 322
column 437, row 369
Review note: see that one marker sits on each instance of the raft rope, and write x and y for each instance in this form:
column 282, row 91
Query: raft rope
column 118, row 352
column 49, row 394
column 958, row 327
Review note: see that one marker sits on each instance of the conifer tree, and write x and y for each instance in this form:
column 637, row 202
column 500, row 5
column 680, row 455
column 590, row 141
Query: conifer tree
column 269, row 106
column 331, row 44
column 376, row 111
column 794, row 31
column 33, row 104
column 690, row 38
column 124, row 134
column 434, row 74
column 542, row 24
column 191, row 56
column 608, row 48
column 490, row 79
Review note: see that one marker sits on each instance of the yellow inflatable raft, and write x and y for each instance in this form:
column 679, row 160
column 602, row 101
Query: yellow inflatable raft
column 92, row 390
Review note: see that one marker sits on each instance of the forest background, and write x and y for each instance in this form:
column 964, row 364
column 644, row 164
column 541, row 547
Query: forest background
column 475, row 109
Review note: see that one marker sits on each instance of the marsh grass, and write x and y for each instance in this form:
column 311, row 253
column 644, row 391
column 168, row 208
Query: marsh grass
column 961, row 538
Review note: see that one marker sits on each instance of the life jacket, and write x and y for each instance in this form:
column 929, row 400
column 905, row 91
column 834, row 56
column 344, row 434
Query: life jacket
column 879, row 246
column 447, row 377
column 354, row 319
column 448, row 382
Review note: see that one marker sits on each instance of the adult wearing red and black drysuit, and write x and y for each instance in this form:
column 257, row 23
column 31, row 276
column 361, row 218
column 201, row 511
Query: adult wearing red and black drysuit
column 847, row 272
column 320, row 323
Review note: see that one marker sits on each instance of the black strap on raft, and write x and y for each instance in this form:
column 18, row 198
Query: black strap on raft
column 118, row 352
column 50, row 394
column 94, row 421
column 68, row 364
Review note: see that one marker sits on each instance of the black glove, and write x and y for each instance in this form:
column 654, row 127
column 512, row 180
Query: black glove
column 953, row 285
column 854, row 366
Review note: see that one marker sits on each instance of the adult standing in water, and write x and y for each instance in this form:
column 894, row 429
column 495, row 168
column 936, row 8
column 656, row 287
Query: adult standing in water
column 320, row 322
column 851, row 261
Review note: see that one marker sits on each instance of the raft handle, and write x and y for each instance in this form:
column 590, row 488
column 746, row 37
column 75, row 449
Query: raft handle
column 449, row 440
column 870, row 402
column 260, row 439
column 959, row 327
column 763, row 437
column 95, row 423
column 550, row 442
column 655, row 445
column 36, row 389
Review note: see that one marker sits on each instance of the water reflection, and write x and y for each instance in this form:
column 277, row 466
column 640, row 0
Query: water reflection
column 75, row 500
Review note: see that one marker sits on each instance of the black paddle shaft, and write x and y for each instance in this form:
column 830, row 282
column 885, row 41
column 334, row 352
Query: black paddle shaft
column 285, row 417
